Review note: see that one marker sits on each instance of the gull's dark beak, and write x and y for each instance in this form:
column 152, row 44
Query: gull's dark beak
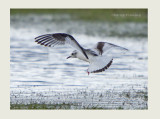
column 68, row 57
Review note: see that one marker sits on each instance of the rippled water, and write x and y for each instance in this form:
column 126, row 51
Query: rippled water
column 37, row 68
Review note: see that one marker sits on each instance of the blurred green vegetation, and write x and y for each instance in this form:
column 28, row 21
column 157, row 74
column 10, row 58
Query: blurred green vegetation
column 49, row 106
column 109, row 15
column 62, row 106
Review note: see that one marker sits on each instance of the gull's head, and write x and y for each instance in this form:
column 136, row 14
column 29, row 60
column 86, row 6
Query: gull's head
column 73, row 54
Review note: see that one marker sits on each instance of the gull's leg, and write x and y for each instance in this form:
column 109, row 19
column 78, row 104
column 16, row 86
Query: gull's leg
column 88, row 72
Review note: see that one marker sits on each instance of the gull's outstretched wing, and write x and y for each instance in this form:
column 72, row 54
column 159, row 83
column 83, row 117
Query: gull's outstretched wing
column 51, row 40
column 103, row 61
column 105, row 48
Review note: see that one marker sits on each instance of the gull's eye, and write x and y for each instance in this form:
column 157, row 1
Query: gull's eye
column 72, row 54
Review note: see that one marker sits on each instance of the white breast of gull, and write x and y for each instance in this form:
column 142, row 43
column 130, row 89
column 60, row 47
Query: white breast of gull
column 100, row 57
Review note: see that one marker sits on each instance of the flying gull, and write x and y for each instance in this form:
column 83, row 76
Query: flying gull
column 100, row 57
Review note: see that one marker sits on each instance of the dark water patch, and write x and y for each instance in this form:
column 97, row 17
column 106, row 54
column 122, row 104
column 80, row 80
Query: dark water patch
column 56, row 64
column 15, row 47
column 102, row 74
column 141, row 76
column 29, row 81
column 69, row 64
column 119, row 64
column 15, row 61
column 50, row 68
column 143, row 58
column 81, row 65
column 62, row 52
column 68, row 71
column 33, row 85
column 32, row 55
column 46, row 82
